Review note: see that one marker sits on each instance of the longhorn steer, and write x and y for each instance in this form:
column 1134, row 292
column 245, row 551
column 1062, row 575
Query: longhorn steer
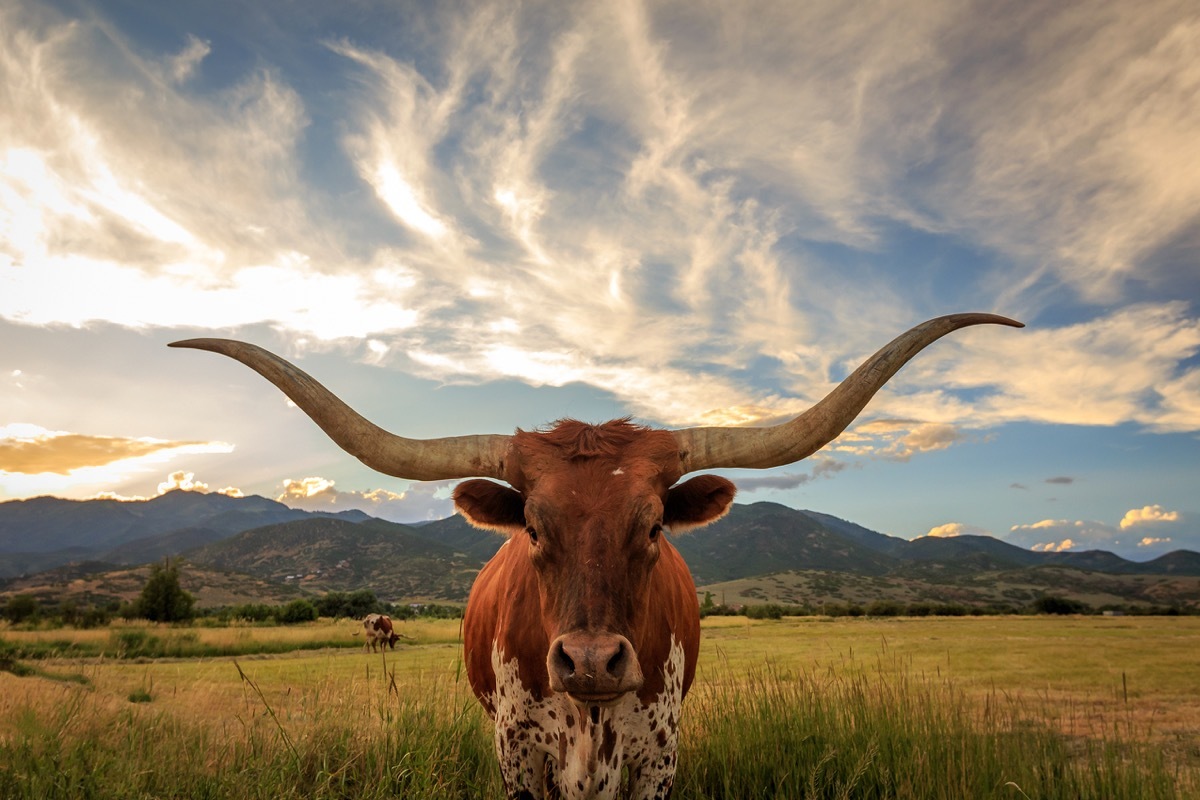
column 380, row 631
column 581, row 634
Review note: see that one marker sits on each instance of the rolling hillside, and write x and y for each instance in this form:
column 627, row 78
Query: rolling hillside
column 45, row 532
column 321, row 555
column 758, row 553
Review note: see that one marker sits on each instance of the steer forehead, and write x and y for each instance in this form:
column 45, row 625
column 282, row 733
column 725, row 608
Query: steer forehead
column 575, row 459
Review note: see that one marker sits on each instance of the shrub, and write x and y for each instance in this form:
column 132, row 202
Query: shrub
column 1053, row 604
column 885, row 608
column 134, row 643
column 250, row 612
column 951, row 610
column 297, row 611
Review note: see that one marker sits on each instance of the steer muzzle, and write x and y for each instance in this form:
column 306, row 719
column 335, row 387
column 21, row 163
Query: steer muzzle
column 593, row 668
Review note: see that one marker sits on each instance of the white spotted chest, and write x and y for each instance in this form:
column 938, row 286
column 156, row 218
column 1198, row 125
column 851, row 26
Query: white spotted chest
column 583, row 750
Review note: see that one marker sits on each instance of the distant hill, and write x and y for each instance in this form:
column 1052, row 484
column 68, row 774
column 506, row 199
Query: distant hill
column 1177, row 562
column 462, row 537
column 766, row 537
column 1014, row 589
column 762, row 551
column 45, row 532
column 320, row 555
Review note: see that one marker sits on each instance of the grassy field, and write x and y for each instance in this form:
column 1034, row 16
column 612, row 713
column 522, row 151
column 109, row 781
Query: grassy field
column 911, row 708
column 146, row 639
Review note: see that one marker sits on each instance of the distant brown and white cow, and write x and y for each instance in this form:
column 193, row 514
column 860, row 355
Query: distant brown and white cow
column 380, row 631
column 581, row 634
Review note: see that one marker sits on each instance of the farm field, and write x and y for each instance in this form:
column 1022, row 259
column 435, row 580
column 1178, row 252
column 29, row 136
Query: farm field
column 897, row 707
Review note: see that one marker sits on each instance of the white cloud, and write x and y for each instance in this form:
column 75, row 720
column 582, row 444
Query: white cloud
column 1151, row 541
column 898, row 439
column 1171, row 530
column 1148, row 515
column 186, row 481
column 1054, row 535
column 952, row 529
column 1053, row 547
column 184, row 65
column 403, row 201
column 419, row 502
column 179, row 480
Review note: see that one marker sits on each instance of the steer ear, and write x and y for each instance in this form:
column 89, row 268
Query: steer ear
column 489, row 505
column 697, row 502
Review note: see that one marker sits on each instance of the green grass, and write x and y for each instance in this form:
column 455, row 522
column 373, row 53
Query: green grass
column 793, row 709
column 144, row 640
column 892, row 735
column 318, row 743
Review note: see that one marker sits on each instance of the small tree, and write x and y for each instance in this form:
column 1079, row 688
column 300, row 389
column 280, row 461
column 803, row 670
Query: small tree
column 163, row 599
column 21, row 608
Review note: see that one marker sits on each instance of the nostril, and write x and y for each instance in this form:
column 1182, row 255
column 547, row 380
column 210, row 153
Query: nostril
column 563, row 661
column 616, row 664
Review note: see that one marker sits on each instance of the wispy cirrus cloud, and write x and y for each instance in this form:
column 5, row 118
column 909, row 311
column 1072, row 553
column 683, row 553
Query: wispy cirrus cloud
column 822, row 468
column 1129, row 366
column 589, row 197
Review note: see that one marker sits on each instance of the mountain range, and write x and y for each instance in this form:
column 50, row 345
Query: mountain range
column 45, row 532
column 758, row 552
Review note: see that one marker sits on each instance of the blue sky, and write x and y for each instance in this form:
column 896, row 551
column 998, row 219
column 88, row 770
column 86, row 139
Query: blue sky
column 469, row 217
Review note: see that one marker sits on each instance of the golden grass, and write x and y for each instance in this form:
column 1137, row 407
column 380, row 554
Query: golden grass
column 1086, row 675
column 350, row 631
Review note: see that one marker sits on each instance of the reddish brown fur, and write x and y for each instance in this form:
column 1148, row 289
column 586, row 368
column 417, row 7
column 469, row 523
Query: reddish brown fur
column 585, row 553
column 380, row 631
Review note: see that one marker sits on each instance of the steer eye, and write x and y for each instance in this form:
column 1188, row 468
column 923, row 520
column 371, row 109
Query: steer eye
column 655, row 531
column 533, row 537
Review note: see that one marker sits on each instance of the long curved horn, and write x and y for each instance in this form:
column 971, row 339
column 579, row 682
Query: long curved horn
column 413, row 459
column 789, row 442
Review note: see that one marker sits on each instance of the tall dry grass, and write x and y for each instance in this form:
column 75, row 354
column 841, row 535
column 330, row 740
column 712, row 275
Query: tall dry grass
column 336, row 724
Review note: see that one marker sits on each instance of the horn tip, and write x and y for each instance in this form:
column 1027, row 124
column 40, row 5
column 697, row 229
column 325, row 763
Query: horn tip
column 213, row 345
column 982, row 318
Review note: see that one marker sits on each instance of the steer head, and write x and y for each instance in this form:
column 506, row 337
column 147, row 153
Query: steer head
column 588, row 507
column 588, row 504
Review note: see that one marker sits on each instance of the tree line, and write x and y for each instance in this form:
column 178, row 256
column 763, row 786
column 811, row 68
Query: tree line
column 1047, row 604
column 163, row 599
